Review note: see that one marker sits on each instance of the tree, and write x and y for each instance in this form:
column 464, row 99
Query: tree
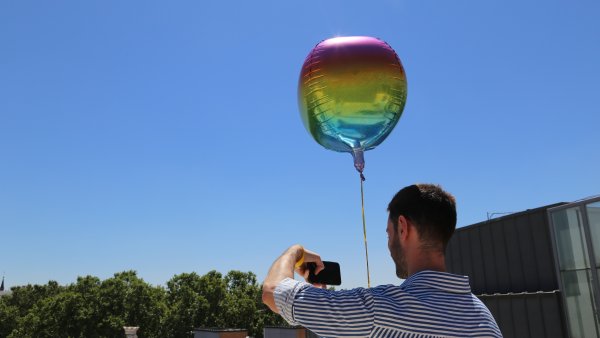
column 211, row 300
column 187, row 307
column 16, row 305
column 9, row 315
column 126, row 300
column 63, row 315
column 240, row 301
column 24, row 297
column 94, row 308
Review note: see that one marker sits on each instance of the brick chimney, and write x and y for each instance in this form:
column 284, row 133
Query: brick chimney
column 131, row 331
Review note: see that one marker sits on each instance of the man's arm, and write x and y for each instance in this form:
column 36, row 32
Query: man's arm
column 284, row 267
column 327, row 313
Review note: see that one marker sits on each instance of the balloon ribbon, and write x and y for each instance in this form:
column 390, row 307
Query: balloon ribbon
column 362, row 201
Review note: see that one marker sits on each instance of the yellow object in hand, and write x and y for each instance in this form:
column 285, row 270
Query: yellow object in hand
column 300, row 261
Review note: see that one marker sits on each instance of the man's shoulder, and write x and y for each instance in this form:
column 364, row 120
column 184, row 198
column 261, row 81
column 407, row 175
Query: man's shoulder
column 384, row 290
column 378, row 290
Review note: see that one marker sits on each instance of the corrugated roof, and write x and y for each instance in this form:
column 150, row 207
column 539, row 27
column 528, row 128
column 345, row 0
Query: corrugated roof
column 527, row 314
column 509, row 254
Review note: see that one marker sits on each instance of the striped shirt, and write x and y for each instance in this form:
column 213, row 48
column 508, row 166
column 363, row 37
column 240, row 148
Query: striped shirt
column 428, row 304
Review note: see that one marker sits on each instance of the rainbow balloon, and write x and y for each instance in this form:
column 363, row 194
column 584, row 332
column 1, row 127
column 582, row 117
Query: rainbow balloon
column 351, row 94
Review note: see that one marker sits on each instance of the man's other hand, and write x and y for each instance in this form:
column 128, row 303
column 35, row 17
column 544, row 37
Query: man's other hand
column 284, row 268
column 311, row 257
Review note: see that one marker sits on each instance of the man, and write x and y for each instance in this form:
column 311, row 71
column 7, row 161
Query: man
column 430, row 302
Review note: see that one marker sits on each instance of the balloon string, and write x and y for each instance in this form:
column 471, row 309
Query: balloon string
column 362, row 201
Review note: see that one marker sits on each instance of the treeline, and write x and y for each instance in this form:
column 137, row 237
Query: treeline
column 100, row 308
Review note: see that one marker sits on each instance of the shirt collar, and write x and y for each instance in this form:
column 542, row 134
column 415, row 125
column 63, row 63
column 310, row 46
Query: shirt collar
column 439, row 280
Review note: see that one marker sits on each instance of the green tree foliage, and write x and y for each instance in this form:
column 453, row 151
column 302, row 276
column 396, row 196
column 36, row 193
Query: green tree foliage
column 15, row 307
column 240, row 303
column 8, row 317
column 95, row 308
column 126, row 300
column 233, row 301
column 187, row 306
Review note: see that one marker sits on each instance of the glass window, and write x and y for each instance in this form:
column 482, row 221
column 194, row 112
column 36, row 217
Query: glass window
column 580, row 307
column 593, row 212
column 575, row 272
column 572, row 250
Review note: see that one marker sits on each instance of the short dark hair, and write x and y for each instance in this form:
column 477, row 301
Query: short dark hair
column 431, row 210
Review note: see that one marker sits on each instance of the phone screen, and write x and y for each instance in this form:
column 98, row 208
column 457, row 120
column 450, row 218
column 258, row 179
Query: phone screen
column 329, row 276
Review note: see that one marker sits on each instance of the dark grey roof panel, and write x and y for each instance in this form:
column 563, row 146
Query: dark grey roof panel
column 513, row 249
column 500, row 259
column 504, row 317
column 527, row 314
column 525, row 240
column 544, row 256
column 520, row 317
column 510, row 254
column 479, row 280
column 488, row 257
column 553, row 319
column 465, row 253
column 535, row 317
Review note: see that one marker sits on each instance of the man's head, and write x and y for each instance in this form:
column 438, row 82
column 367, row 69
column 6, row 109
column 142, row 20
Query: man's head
column 422, row 218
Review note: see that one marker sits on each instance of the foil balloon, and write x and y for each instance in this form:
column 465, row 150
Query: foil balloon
column 351, row 94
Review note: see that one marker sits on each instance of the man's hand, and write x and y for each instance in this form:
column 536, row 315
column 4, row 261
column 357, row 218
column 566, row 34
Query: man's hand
column 284, row 268
column 311, row 257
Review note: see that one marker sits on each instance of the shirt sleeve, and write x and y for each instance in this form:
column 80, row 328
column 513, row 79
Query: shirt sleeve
column 285, row 292
column 325, row 312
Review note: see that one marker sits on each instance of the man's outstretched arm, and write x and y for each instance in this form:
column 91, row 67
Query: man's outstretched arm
column 325, row 312
column 284, row 268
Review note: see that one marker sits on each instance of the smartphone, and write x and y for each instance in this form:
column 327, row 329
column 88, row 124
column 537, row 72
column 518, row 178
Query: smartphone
column 329, row 276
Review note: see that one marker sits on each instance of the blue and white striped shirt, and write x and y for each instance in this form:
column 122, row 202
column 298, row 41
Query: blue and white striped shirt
column 428, row 304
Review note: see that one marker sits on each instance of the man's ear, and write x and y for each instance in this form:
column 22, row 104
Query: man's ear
column 402, row 227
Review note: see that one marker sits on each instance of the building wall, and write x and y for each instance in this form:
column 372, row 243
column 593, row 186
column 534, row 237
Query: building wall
column 511, row 254
column 282, row 332
column 527, row 314
column 512, row 269
column 238, row 334
column 220, row 334
column 205, row 334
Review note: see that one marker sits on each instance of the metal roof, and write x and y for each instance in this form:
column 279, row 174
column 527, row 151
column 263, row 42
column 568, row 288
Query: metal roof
column 509, row 254
column 536, row 314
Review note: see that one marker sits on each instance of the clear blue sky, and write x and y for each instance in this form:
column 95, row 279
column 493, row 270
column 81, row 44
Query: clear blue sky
column 165, row 136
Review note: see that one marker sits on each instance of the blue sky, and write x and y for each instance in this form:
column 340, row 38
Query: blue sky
column 165, row 136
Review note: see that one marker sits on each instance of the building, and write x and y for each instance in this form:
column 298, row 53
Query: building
column 536, row 270
column 287, row 332
column 220, row 333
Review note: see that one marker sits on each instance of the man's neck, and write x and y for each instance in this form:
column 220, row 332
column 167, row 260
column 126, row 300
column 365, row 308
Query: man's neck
column 427, row 260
